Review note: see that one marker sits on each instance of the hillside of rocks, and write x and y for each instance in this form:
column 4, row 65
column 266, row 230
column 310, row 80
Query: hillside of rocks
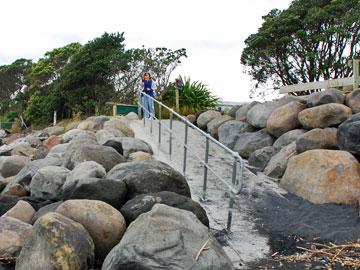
column 93, row 197
column 310, row 145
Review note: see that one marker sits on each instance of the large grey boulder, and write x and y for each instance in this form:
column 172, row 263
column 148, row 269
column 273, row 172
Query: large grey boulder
column 79, row 134
column 353, row 101
column 108, row 157
column 22, row 211
column 229, row 132
column 100, row 120
column 131, row 145
column 121, row 125
column 132, row 116
column 112, row 192
column 243, row 110
column 233, row 110
column 44, row 210
column 82, row 172
column 23, row 149
column 55, row 130
column 328, row 96
column 26, row 173
column 144, row 203
column 284, row 118
column 261, row 157
column 48, row 181
column 143, row 177
column 249, row 142
column 258, row 115
column 278, row 162
column 103, row 135
column 173, row 237
column 317, row 139
column 206, row 117
column 104, row 223
column 58, row 151
column 11, row 165
column 13, row 234
column 323, row 116
column 287, row 138
column 57, row 242
column 213, row 125
column 348, row 135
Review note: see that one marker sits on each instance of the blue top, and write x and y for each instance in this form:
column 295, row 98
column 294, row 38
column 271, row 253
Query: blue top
column 148, row 87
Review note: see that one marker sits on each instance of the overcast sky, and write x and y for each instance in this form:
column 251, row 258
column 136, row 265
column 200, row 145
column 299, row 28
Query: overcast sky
column 213, row 32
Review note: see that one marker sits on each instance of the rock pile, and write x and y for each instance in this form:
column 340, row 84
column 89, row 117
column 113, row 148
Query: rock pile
column 95, row 197
column 312, row 145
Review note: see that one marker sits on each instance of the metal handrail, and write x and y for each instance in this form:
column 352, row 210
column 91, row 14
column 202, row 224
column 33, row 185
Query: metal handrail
column 236, row 184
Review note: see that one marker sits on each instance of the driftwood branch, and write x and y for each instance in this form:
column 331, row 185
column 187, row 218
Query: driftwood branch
column 204, row 247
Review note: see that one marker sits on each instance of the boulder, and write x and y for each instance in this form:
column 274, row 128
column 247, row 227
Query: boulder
column 191, row 118
column 258, row 115
column 13, row 234
column 48, row 181
column 348, row 135
column 23, row 149
column 130, row 145
column 58, row 151
column 116, row 144
column 278, row 162
column 3, row 134
column 110, row 191
column 106, row 156
column 323, row 176
column 22, row 211
column 82, row 172
column 78, row 133
column 317, row 139
column 44, row 210
column 229, row 132
column 16, row 190
column 55, row 130
column 23, row 178
column 52, row 141
column 89, row 125
column 120, row 125
column 328, row 96
column 284, row 118
column 99, row 120
column 8, row 202
column 213, row 125
column 41, row 153
column 104, row 223
column 144, row 203
column 260, row 158
column 249, row 142
column 323, row 116
column 57, row 242
column 233, row 110
column 102, row 136
column 241, row 113
column 140, row 156
column 11, row 165
column 173, row 237
column 132, row 116
column 353, row 101
column 206, row 117
column 149, row 176
column 287, row 138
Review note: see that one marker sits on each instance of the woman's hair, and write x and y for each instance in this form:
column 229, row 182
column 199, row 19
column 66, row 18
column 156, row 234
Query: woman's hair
column 147, row 73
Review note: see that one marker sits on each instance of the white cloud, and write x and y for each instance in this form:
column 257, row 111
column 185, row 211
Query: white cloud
column 213, row 32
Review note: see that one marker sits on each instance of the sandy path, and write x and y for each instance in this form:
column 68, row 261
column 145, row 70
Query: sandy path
column 244, row 244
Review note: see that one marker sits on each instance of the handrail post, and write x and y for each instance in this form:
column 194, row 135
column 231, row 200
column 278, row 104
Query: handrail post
column 170, row 139
column 159, row 124
column 231, row 201
column 185, row 147
column 206, row 167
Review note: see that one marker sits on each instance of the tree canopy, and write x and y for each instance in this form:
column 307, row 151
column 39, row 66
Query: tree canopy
column 309, row 41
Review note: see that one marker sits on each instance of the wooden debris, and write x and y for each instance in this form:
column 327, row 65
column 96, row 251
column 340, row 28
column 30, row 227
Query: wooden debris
column 204, row 247
column 346, row 254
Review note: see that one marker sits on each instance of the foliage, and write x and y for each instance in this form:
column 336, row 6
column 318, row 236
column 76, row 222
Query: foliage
column 309, row 41
column 39, row 109
column 194, row 97
column 87, row 81
column 159, row 62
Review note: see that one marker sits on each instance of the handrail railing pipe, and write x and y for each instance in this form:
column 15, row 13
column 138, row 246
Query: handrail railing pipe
column 236, row 182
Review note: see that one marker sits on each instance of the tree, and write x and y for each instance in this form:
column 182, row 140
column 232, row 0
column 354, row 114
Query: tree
column 87, row 81
column 159, row 62
column 309, row 41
